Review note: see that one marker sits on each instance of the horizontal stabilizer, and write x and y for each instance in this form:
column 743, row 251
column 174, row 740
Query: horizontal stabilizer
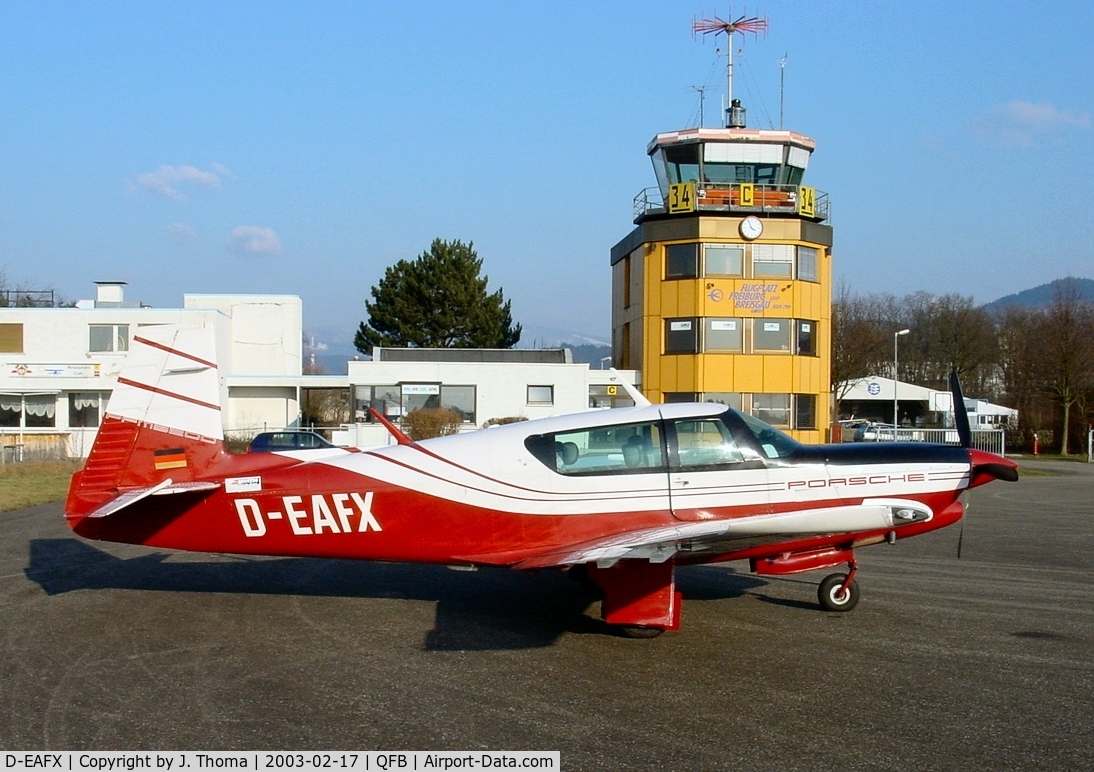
column 161, row 489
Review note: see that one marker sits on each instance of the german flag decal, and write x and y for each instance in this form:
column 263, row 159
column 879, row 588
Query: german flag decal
column 172, row 458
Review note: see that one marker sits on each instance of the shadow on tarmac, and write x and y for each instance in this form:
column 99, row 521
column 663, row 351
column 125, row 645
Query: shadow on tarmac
column 483, row 610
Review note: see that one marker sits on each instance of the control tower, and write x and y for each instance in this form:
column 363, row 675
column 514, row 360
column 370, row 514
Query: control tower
column 722, row 292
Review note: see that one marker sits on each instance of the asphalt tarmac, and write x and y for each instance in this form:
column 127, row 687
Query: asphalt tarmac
column 986, row 662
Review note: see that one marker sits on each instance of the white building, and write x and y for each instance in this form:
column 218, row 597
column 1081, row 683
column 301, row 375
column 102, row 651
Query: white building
column 58, row 367
column 873, row 397
column 479, row 384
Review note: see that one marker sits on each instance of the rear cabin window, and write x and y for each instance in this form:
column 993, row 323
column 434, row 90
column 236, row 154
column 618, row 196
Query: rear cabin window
column 629, row 449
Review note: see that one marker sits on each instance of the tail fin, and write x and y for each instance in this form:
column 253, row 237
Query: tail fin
column 163, row 421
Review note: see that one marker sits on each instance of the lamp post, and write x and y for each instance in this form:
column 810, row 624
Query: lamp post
column 896, row 341
column 603, row 360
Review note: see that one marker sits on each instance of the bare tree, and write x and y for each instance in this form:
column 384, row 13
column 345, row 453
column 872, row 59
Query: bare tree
column 1064, row 342
column 1017, row 363
column 949, row 332
column 859, row 337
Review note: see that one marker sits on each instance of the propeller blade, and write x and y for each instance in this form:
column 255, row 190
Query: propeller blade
column 960, row 414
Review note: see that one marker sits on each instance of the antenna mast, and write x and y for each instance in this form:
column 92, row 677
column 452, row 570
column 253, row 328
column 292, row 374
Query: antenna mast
column 782, row 88
column 743, row 24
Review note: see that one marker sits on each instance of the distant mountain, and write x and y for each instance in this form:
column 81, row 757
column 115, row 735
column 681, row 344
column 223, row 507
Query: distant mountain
column 591, row 355
column 1041, row 296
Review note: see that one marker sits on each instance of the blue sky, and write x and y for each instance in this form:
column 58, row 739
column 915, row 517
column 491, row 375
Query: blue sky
column 303, row 147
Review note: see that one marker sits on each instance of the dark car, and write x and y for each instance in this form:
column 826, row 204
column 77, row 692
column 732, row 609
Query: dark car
column 267, row 442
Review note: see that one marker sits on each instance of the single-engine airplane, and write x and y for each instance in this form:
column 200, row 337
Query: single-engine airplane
column 617, row 497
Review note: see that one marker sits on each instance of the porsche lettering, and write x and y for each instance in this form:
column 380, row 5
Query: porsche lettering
column 321, row 513
column 875, row 479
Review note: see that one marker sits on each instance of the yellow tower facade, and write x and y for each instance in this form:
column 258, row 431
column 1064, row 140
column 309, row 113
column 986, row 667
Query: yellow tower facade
column 723, row 290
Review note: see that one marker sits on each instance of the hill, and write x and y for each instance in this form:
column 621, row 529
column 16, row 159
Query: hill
column 1039, row 297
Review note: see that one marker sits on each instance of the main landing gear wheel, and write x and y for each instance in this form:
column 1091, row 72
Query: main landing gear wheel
column 831, row 595
column 637, row 631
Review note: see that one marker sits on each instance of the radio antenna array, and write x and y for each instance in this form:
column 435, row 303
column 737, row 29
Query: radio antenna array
column 742, row 25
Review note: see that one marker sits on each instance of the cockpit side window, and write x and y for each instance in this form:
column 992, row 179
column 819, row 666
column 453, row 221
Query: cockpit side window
column 625, row 449
column 705, row 442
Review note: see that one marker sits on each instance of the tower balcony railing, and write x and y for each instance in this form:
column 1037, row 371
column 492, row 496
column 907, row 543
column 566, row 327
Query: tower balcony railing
column 738, row 199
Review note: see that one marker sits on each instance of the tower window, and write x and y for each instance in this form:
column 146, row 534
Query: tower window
column 771, row 335
column 724, row 335
column 807, row 338
column 681, row 336
column 681, row 261
column 723, row 260
column 773, row 260
column 807, row 264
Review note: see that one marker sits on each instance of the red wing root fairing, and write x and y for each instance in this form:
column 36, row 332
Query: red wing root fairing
column 622, row 496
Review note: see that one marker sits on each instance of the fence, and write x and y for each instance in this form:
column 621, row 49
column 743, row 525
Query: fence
column 17, row 446
column 989, row 440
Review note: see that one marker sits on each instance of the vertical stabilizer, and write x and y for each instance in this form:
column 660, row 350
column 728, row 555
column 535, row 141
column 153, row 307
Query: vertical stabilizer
column 163, row 420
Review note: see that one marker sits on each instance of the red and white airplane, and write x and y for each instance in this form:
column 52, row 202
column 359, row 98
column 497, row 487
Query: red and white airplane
column 618, row 497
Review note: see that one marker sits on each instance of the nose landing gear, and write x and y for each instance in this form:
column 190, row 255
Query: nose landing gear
column 839, row 592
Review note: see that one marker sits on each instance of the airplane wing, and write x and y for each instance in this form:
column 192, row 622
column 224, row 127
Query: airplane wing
column 660, row 544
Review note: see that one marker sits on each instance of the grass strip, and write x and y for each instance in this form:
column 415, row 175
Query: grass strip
column 29, row 483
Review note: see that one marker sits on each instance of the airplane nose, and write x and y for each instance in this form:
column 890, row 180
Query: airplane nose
column 985, row 467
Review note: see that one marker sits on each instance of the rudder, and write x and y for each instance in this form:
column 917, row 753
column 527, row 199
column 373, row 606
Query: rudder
column 163, row 419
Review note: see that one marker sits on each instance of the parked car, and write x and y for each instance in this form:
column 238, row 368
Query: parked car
column 268, row 442
column 875, row 432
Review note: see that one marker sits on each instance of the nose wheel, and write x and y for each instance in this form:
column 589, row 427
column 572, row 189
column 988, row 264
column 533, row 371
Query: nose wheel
column 839, row 592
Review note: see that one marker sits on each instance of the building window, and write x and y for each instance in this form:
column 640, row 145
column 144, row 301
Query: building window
column 108, row 337
column 731, row 399
column 775, row 260
column 723, row 260
column 628, row 449
column 626, row 282
column 460, row 399
column 680, row 396
column 807, row 338
column 541, row 395
column 771, row 335
column 805, row 411
column 606, row 395
column 681, row 336
column 807, row 264
column 84, row 409
column 724, row 335
column 385, row 400
column 682, row 261
column 11, row 338
column 29, row 411
column 772, row 409
column 324, row 408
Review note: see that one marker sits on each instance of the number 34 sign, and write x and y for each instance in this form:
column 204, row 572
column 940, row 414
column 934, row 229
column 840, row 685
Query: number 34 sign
column 682, row 197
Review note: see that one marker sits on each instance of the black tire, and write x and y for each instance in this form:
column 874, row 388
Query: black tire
column 830, row 597
column 636, row 631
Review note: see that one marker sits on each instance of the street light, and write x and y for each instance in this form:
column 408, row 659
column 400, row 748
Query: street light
column 896, row 340
column 603, row 360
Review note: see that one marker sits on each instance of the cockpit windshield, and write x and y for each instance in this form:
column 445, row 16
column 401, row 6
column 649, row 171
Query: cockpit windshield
column 773, row 443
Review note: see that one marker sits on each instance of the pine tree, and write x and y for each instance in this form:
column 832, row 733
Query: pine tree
column 438, row 300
